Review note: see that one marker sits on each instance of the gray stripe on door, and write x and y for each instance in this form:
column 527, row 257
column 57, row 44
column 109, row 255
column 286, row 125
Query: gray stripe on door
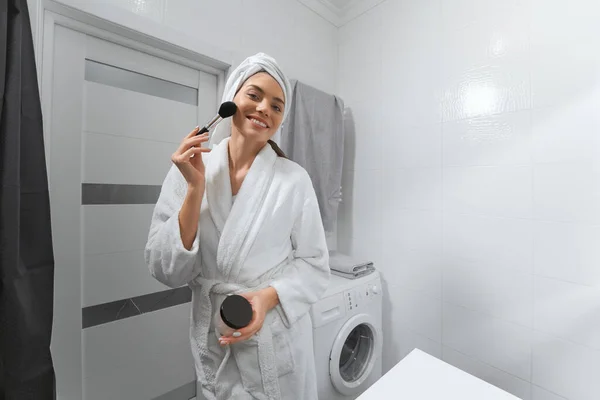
column 185, row 392
column 121, row 309
column 105, row 193
column 134, row 81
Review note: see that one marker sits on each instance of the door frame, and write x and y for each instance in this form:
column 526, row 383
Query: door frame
column 46, row 15
column 50, row 13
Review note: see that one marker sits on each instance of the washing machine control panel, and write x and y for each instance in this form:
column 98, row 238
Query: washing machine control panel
column 360, row 296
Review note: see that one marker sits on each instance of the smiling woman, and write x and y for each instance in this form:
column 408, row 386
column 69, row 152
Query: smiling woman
column 260, row 109
column 238, row 219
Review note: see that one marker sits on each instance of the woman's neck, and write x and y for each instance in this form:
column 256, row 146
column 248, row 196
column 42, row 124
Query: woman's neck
column 242, row 153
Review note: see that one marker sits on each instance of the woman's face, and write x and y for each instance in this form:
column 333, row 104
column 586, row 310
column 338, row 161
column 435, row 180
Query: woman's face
column 260, row 105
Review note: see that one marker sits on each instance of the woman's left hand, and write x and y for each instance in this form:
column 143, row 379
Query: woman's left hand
column 262, row 301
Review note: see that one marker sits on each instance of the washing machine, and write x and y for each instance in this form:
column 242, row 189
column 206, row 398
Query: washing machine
column 347, row 336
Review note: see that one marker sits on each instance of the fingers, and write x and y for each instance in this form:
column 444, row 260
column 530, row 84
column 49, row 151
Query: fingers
column 193, row 132
column 192, row 141
column 196, row 139
column 237, row 336
column 194, row 150
column 242, row 334
column 185, row 156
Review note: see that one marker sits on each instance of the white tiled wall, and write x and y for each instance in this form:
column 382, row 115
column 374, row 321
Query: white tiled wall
column 302, row 42
column 474, row 181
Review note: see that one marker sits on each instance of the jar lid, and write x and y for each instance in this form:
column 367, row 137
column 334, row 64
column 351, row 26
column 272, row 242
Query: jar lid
column 236, row 311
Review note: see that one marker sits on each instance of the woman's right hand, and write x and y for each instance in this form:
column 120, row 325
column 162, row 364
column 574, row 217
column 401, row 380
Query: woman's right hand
column 188, row 158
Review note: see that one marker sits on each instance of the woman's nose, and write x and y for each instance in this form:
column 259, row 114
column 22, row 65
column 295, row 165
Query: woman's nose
column 262, row 107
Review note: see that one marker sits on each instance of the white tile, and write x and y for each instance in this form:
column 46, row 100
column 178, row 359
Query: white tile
column 356, row 29
column 113, row 276
column 504, row 44
column 411, row 94
column 568, row 133
column 414, row 188
column 569, row 311
column 367, row 199
column 398, row 338
column 501, row 344
column 565, row 73
column 410, row 340
column 411, row 63
column 502, row 244
column 565, row 368
column 316, row 45
column 495, row 140
column 368, row 138
column 272, row 37
column 567, row 251
column 120, row 358
column 417, row 312
column 494, row 376
column 420, row 271
column 537, row 393
column 411, row 146
column 365, row 224
column 345, row 222
column 349, row 139
column 205, row 19
column 579, row 19
column 359, row 77
column 132, row 160
column 487, row 90
column 405, row 22
column 460, row 13
column 359, row 52
column 115, row 228
column 567, row 192
column 413, row 230
column 404, row 341
column 504, row 295
column 501, row 191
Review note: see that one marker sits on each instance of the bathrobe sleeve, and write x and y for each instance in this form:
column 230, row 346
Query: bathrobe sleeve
column 168, row 260
column 305, row 279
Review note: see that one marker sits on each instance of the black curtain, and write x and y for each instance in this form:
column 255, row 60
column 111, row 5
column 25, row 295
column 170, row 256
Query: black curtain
column 26, row 255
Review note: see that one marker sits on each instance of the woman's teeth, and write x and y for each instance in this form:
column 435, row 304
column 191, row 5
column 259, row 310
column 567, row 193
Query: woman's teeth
column 257, row 122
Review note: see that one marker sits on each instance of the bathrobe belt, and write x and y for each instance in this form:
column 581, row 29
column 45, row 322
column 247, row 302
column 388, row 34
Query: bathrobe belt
column 266, row 352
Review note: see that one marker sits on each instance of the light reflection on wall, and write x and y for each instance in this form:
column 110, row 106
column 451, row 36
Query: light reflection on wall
column 480, row 99
column 497, row 46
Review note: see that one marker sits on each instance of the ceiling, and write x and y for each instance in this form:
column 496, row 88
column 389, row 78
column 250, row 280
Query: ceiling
column 339, row 12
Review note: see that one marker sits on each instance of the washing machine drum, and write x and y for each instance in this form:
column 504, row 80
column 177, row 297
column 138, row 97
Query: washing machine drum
column 354, row 353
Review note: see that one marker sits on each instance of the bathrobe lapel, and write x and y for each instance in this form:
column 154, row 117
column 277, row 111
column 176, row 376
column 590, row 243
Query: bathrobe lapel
column 237, row 225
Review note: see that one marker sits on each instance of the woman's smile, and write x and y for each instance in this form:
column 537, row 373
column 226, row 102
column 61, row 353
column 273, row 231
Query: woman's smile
column 258, row 122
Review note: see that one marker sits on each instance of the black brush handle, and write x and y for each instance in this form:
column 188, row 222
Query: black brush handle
column 201, row 131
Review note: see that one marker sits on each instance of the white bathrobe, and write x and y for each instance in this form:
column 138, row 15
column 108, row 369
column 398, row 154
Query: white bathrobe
column 272, row 235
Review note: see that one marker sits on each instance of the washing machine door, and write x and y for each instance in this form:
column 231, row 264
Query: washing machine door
column 353, row 355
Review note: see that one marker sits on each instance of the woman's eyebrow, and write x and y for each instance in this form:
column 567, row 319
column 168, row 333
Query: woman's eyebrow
column 262, row 91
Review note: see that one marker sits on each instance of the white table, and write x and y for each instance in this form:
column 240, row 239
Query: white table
column 420, row 376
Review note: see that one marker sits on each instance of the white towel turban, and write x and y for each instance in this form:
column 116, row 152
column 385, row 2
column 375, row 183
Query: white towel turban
column 260, row 62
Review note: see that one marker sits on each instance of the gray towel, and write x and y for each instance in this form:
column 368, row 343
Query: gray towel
column 313, row 136
column 368, row 271
column 346, row 264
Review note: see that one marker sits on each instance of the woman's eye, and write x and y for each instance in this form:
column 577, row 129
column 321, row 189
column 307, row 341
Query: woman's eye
column 253, row 96
column 277, row 108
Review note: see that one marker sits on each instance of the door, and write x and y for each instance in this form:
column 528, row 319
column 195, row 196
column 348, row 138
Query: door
column 115, row 116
